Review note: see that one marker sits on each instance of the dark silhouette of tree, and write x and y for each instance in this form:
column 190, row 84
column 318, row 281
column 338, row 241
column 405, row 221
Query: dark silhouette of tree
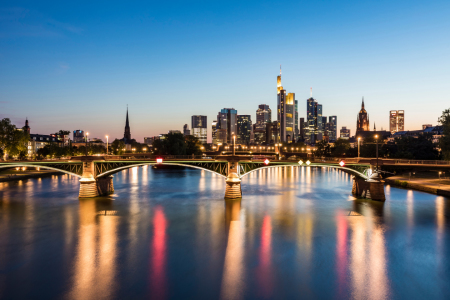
column 444, row 142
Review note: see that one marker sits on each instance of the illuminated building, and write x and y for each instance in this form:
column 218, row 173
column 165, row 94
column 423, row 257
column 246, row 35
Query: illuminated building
column 286, row 113
column 199, row 127
column 302, row 128
column 314, row 128
column 396, row 121
column 296, row 129
column 345, row 133
column 332, row 128
column 226, row 125
column 214, row 132
column 272, row 132
column 362, row 123
column 78, row 136
column 244, row 129
column 263, row 115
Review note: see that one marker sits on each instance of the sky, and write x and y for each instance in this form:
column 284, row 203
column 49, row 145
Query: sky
column 77, row 65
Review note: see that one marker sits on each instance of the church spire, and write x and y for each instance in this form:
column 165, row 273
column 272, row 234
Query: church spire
column 127, row 133
column 362, row 105
column 127, row 124
column 374, row 127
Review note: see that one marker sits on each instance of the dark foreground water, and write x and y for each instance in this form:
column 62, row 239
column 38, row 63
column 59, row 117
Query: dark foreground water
column 297, row 233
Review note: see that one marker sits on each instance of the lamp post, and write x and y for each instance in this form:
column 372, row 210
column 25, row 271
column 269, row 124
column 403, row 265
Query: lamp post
column 359, row 140
column 376, row 137
column 106, row 145
column 234, row 143
column 86, row 140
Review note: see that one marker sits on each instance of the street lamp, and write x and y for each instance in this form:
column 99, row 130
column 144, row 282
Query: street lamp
column 359, row 140
column 376, row 137
column 106, row 145
column 234, row 144
column 86, row 140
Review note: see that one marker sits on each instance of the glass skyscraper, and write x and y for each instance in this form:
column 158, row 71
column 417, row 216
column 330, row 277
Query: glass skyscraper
column 200, row 128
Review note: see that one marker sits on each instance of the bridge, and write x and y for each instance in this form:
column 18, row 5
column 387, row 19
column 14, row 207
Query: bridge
column 96, row 172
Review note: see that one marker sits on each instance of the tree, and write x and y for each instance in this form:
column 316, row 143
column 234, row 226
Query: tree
column 322, row 149
column 444, row 142
column 193, row 145
column 341, row 147
column 63, row 132
column 117, row 147
column 12, row 140
column 172, row 144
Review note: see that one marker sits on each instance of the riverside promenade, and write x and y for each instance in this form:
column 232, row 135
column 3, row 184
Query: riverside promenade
column 430, row 185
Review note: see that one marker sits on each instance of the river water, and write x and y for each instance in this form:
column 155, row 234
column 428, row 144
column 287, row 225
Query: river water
column 166, row 234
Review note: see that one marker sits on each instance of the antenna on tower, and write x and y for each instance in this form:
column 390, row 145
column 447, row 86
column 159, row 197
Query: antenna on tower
column 280, row 70
column 310, row 92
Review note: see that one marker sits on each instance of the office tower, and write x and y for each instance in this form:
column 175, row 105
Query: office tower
column 362, row 123
column 272, row 132
column 226, row 125
column 244, row 129
column 325, row 128
column 345, row 133
column 259, row 134
column 290, row 114
column 127, row 132
column 296, row 129
column 199, row 127
column 313, row 128
column 396, row 121
column 214, row 132
column 78, row 136
column 186, row 130
column 149, row 140
column 332, row 127
column 302, row 129
column 285, row 112
column 319, row 126
column 263, row 115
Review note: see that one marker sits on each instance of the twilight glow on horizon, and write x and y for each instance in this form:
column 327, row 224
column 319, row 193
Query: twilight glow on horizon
column 78, row 65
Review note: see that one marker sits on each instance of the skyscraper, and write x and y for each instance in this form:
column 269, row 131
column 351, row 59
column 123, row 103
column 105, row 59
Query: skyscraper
column 332, row 128
column 186, row 130
column 263, row 114
column 199, row 127
column 313, row 128
column 226, row 125
column 362, row 123
column 214, row 132
column 290, row 114
column 302, row 129
column 285, row 112
column 296, row 129
column 396, row 121
column 244, row 129
column 127, row 133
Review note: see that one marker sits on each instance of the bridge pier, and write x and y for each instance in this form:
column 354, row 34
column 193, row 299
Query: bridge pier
column 233, row 188
column 90, row 186
column 360, row 186
column 373, row 186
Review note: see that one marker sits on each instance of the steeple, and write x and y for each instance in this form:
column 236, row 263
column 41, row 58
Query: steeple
column 362, row 105
column 26, row 127
column 374, row 127
column 127, row 133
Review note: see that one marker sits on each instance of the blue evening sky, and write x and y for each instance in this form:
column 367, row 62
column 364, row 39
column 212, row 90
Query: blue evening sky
column 76, row 65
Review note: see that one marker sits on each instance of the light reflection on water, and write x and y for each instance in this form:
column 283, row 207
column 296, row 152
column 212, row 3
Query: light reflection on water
column 169, row 234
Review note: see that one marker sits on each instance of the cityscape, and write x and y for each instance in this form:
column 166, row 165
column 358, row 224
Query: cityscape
column 224, row 150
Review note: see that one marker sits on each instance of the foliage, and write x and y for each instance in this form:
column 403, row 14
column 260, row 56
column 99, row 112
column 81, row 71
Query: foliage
column 63, row 132
column 323, row 148
column 444, row 142
column 193, row 145
column 341, row 147
column 12, row 140
column 117, row 147
column 177, row 144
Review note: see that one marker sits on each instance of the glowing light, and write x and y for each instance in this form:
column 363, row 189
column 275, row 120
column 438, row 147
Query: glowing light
column 342, row 163
column 308, row 162
column 300, row 162
column 266, row 161
column 159, row 160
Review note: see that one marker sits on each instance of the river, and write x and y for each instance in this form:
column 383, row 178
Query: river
column 168, row 234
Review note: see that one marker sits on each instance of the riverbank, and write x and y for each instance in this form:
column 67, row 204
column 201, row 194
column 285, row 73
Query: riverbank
column 15, row 175
column 430, row 185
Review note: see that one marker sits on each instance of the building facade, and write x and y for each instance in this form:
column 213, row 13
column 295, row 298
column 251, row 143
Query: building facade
column 396, row 121
column 244, row 129
column 186, row 130
column 78, row 136
column 214, row 132
column 332, row 128
column 226, row 125
column 314, row 122
column 199, row 128
column 362, row 123
column 344, row 133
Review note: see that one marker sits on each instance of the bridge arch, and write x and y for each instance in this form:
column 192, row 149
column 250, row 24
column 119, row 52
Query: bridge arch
column 26, row 165
column 116, row 170
column 347, row 170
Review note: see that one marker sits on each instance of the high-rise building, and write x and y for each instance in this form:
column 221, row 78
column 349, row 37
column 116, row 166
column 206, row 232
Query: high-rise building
column 362, row 123
column 313, row 128
column 345, row 133
column 302, row 129
column 244, row 129
column 127, row 132
column 78, row 136
column 199, row 127
column 226, row 125
column 396, row 121
column 332, row 128
column 272, row 132
column 263, row 115
column 214, row 132
column 285, row 112
column 186, row 130
column 296, row 129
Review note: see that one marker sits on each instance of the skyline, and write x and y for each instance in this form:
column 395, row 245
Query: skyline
column 71, row 68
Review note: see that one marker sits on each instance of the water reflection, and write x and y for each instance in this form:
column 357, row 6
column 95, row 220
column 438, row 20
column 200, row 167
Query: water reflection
column 233, row 272
column 95, row 263
column 158, row 284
